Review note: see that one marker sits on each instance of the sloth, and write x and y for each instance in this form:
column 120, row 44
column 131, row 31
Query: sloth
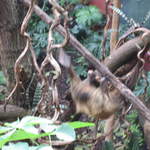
column 88, row 95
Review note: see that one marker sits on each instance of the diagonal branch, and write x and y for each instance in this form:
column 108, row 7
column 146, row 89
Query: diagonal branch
column 130, row 48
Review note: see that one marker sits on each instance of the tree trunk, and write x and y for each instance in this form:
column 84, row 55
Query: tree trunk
column 11, row 46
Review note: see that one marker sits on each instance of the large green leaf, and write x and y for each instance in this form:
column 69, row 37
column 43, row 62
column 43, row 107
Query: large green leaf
column 65, row 132
column 19, row 134
column 5, row 138
column 5, row 129
column 48, row 127
column 25, row 146
column 31, row 120
column 17, row 146
column 78, row 124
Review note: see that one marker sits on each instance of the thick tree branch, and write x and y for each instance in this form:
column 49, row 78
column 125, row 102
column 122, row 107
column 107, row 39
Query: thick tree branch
column 99, row 66
column 12, row 112
column 123, row 54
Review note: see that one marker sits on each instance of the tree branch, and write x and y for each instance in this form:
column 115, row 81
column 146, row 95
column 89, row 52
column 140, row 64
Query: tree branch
column 115, row 26
column 123, row 54
column 112, row 62
column 12, row 112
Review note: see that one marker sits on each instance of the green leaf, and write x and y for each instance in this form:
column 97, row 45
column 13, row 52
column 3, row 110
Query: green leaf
column 13, row 124
column 17, row 146
column 41, row 147
column 48, row 127
column 31, row 120
column 75, row 29
column 108, row 146
column 5, row 138
column 82, row 16
column 88, row 15
column 30, row 129
column 148, row 91
column 22, row 135
column 69, row 2
column 2, row 78
column 27, row 124
column 78, row 124
column 4, row 129
column 25, row 146
column 33, row 148
column 45, row 147
column 65, row 132
column 19, row 134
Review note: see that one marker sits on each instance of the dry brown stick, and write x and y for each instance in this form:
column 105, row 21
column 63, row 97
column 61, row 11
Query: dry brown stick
column 99, row 66
column 115, row 26
column 105, row 36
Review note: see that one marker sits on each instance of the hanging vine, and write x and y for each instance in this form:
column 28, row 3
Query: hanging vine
column 58, row 13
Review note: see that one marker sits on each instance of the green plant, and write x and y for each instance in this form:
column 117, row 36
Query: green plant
column 25, row 146
column 143, row 87
column 2, row 78
column 39, row 32
column 63, row 2
column 130, row 136
column 27, row 128
column 108, row 145
column 136, row 138
column 88, row 16
column 2, row 86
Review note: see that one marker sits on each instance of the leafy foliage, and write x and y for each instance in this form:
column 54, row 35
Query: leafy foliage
column 86, row 18
column 2, row 78
column 2, row 86
column 26, row 128
column 38, row 31
column 130, row 136
column 25, row 146
column 88, row 15
column 108, row 146
column 63, row 2
column 136, row 138
column 143, row 87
